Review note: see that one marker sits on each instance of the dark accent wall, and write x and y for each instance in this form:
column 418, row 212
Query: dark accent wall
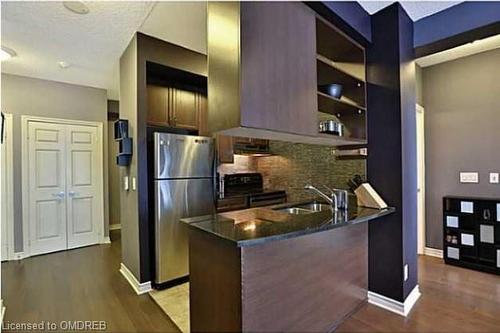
column 391, row 163
column 354, row 15
column 457, row 25
column 348, row 16
column 461, row 132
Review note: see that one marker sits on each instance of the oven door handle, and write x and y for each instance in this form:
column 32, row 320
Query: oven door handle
column 255, row 201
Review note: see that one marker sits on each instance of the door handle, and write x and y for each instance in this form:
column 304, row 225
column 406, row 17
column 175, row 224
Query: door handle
column 59, row 195
column 72, row 193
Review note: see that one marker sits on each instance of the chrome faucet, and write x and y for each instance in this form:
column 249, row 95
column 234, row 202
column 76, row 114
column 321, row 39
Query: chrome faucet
column 332, row 200
column 342, row 197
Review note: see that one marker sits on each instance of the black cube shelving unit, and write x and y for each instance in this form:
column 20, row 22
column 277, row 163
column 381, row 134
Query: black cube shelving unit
column 124, row 156
column 471, row 232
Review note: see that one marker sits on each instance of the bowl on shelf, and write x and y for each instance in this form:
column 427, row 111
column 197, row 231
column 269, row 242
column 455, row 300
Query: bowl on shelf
column 334, row 90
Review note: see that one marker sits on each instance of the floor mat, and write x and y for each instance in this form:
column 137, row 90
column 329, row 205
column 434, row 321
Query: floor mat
column 175, row 303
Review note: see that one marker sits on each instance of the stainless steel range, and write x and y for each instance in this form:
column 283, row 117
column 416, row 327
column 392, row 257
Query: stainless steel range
column 246, row 190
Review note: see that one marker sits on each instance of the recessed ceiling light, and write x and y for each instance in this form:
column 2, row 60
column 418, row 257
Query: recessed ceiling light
column 77, row 7
column 64, row 64
column 6, row 53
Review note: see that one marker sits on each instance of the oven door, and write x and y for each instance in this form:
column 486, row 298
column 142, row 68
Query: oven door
column 266, row 199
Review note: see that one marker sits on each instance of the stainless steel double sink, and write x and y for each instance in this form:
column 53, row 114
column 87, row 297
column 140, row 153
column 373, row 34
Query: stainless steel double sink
column 304, row 208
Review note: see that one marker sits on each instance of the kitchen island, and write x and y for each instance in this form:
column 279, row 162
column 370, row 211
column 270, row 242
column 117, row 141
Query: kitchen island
column 266, row 269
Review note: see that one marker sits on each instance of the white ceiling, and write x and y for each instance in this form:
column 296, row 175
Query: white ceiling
column 44, row 33
column 415, row 9
column 461, row 51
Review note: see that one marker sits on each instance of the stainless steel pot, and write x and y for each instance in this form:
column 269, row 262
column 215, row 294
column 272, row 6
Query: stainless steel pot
column 331, row 127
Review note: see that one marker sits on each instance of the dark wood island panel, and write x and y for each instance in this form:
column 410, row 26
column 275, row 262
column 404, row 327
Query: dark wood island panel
column 308, row 283
column 214, row 283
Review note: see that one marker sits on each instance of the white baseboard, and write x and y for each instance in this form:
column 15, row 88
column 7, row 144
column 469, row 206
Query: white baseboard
column 106, row 240
column 429, row 251
column 115, row 227
column 139, row 288
column 19, row 256
column 401, row 308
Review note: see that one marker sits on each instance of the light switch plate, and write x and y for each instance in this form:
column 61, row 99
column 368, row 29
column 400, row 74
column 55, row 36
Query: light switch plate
column 493, row 177
column 133, row 184
column 125, row 183
column 469, row 177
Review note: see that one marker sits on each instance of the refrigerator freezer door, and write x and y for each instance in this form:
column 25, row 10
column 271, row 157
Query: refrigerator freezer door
column 176, row 199
column 183, row 156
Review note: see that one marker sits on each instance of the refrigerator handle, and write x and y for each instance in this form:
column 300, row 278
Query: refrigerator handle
column 214, row 179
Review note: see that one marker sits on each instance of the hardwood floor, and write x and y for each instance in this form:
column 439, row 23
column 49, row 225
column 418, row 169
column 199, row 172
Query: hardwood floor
column 81, row 284
column 85, row 284
column 453, row 300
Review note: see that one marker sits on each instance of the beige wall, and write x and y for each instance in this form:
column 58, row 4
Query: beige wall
column 128, row 199
column 296, row 165
column 462, row 112
column 35, row 97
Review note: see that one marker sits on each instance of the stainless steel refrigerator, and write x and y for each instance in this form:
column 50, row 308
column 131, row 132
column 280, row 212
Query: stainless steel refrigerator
column 184, row 187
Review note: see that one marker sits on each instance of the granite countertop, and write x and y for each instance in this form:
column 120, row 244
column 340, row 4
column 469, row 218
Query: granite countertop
column 260, row 225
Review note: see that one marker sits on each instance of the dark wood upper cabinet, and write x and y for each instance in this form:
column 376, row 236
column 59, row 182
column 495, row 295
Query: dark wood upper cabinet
column 184, row 109
column 265, row 63
column 173, row 107
column 157, row 105
column 262, row 67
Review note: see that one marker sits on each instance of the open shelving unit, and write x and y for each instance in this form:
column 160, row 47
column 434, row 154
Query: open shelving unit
column 340, row 60
column 471, row 233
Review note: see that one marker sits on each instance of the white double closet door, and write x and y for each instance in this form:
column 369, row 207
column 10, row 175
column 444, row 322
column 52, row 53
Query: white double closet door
column 65, row 186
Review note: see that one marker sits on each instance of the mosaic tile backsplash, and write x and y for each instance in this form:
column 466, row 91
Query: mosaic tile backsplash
column 296, row 165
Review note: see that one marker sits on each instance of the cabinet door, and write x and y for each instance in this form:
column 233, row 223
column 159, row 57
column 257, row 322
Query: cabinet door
column 202, row 115
column 225, row 149
column 157, row 105
column 278, row 67
column 184, row 111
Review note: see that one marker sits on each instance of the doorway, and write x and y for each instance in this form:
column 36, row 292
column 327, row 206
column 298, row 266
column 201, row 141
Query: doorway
column 6, row 169
column 420, row 178
column 62, row 184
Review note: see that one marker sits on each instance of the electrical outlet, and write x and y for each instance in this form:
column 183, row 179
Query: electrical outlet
column 406, row 272
column 469, row 177
column 493, row 177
